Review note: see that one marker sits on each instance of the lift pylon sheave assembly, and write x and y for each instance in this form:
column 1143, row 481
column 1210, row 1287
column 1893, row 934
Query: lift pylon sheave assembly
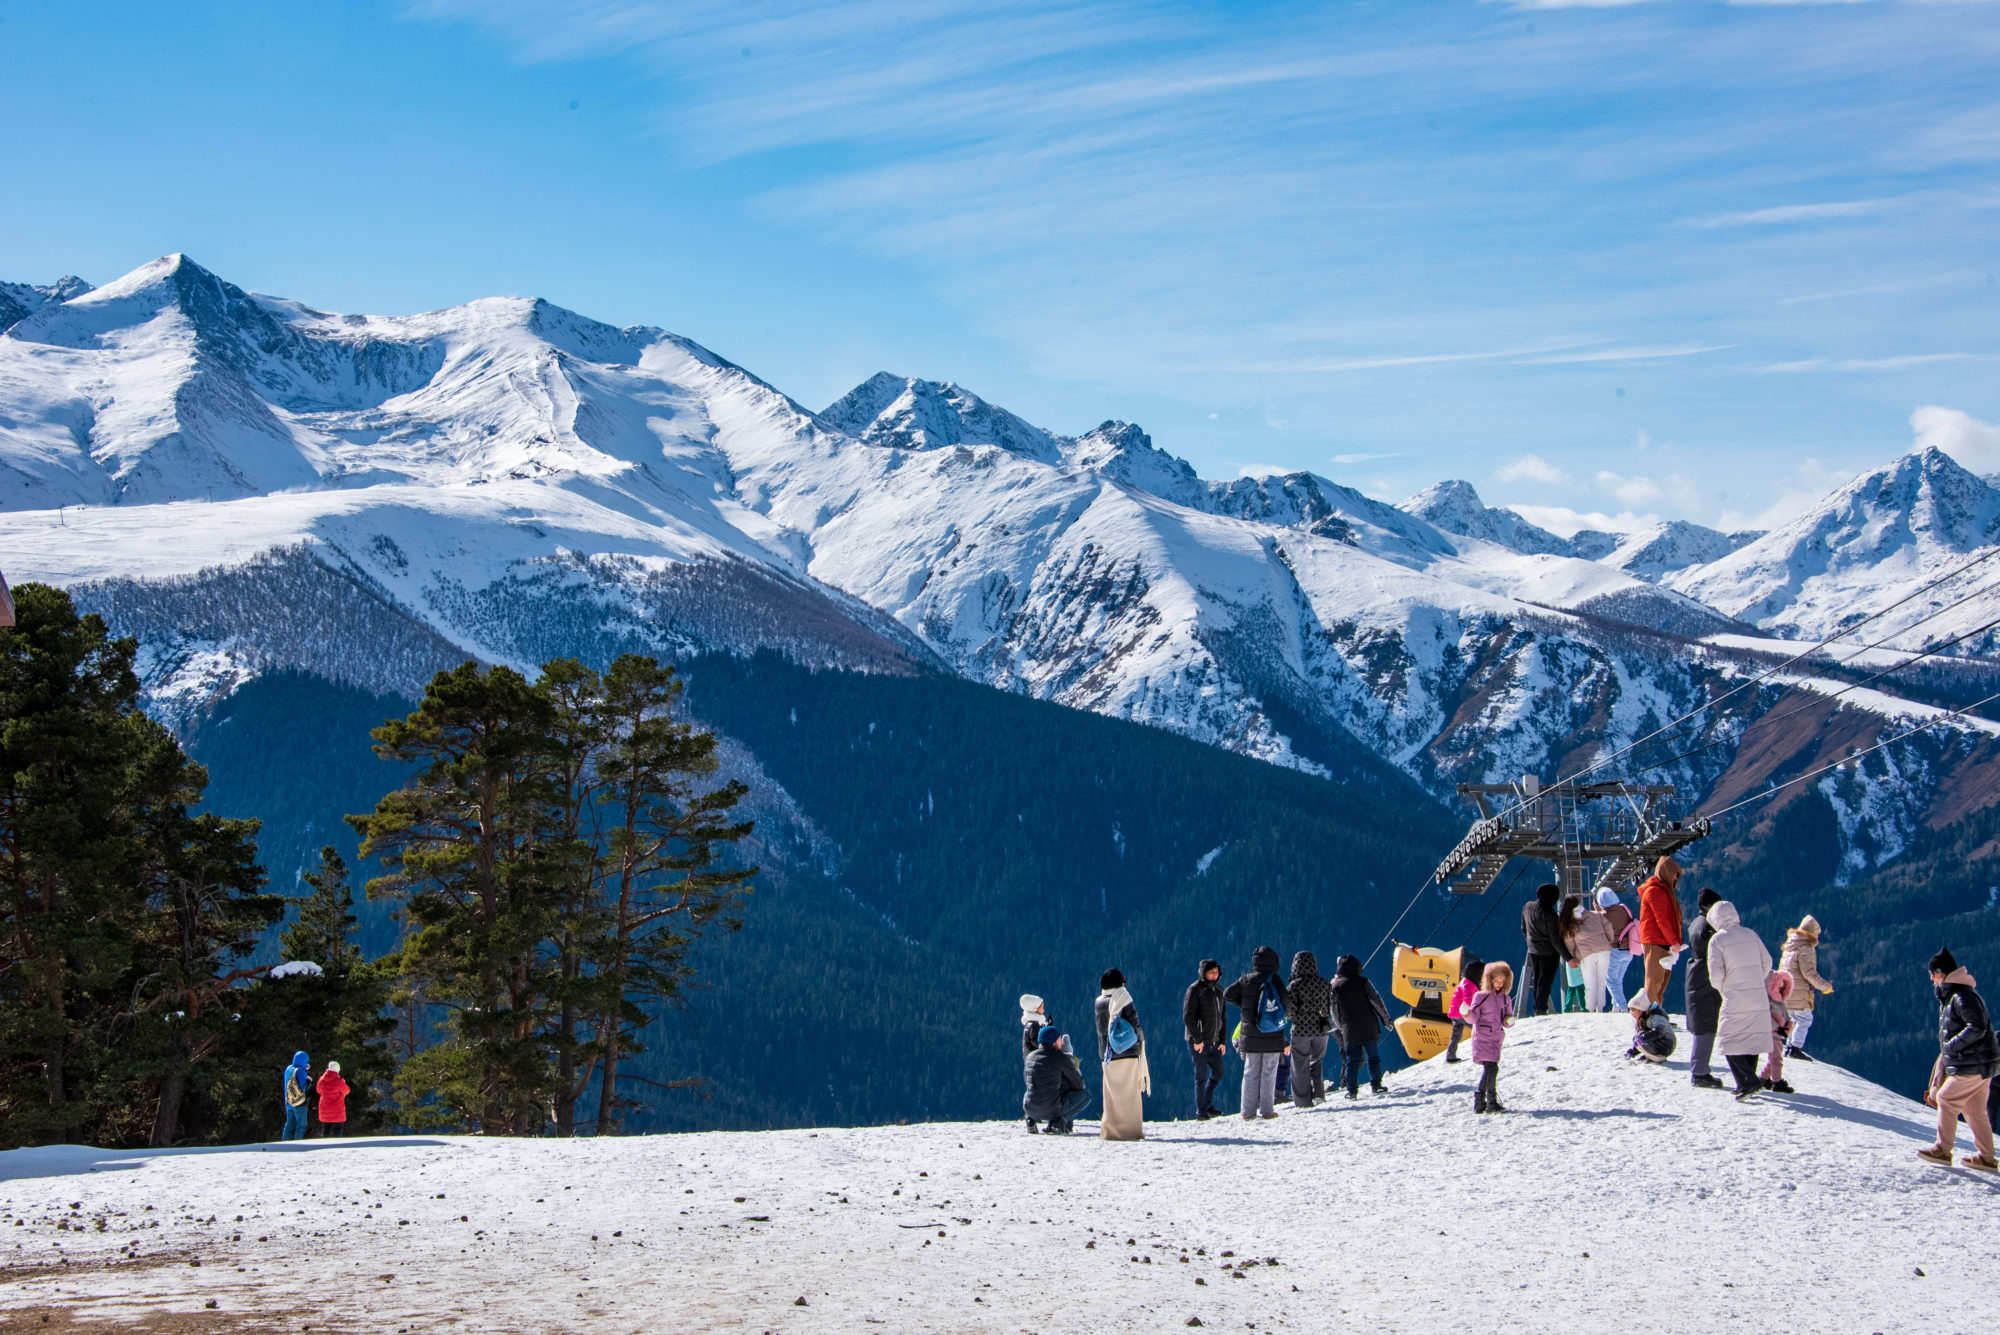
column 1621, row 828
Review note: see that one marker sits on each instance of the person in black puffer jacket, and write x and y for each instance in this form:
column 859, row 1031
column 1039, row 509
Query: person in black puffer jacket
column 1704, row 1003
column 1542, row 929
column 1968, row 1060
column 1260, row 1048
column 1204, row 1017
column 1358, row 1015
column 1311, row 1013
column 1056, row 1091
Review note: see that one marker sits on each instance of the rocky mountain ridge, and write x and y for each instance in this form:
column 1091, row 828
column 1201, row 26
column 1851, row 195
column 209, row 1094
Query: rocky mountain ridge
column 507, row 479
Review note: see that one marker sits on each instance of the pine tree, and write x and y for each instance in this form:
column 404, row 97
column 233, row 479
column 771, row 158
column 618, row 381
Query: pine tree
column 467, row 844
column 69, row 733
column 665, row 882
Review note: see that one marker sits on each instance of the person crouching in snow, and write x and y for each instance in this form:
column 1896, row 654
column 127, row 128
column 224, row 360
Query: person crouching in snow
column 1469, row 969
column 298, row 1088
column 1968, row 1059
column 1490, row 1013
column 1121, row 1047
column 1779, row 988
column 332, row 1101
column 1738, row 964
column 1056, row 1093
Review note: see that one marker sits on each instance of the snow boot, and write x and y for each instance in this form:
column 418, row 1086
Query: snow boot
column 1353, row 1094
column 1797, row 1054
column 1494, row 1105
column 1031, row 1126
column 1058, row 1129
column 1378, row 1089
column 1479, row 1100
column 1936, row 1155
column 1748, row 1092
column 1705, row 1082
column 1984, row 1165
column 1269, row 1116
column 1780, row 1087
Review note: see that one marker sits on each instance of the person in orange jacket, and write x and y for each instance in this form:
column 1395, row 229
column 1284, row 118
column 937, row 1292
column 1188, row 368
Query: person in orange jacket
column 332, row 1101
column 1660, row 926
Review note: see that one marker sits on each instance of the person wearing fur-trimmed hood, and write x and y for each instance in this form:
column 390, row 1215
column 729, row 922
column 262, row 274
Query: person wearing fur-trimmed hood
column 1121, row 1047
column 1800, row 959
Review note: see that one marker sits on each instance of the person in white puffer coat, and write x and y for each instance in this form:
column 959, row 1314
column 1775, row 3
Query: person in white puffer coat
column 1738, row 964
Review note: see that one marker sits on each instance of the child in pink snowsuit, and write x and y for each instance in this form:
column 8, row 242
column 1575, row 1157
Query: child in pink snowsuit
column 1778, row 987
column 1490, row 1013
column 1461, row 997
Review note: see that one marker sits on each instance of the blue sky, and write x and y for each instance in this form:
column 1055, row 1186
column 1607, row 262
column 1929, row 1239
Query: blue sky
column 1700, row 260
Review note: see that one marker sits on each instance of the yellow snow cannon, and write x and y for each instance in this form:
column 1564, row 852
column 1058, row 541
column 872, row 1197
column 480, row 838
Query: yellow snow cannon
column 1423, row 979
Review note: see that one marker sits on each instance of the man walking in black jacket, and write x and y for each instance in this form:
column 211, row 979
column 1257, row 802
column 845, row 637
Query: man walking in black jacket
column 1203, row 1017
column 1968, row 1059
column 1543, row 931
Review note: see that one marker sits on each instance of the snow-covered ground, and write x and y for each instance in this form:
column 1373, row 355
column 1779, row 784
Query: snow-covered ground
column 1609, row 1197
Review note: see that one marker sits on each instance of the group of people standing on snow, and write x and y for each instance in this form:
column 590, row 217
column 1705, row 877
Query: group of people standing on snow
column 1740, row 1004
column 299, row 1091
column 1287, row 1025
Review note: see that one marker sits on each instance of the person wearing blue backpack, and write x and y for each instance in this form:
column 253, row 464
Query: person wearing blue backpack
column 1262, row 998
column 1121, row 1047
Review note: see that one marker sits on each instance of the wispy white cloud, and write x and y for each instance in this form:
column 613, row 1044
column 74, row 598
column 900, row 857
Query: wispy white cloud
column 1902, row 363
column 1894, row 288
column 1798, row 213
column 1974, row 443
column 1345, row 460
column 1565, row 522
column 1633, row 491
column 1532, row 468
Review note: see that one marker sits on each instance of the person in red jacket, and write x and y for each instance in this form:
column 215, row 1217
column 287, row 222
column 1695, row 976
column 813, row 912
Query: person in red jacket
column 332, row 1101
column 1659, row 925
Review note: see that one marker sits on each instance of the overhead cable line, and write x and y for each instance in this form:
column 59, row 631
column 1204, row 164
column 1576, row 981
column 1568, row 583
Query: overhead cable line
column 1850, row 759
column 1761, row 677
column 1818, row 700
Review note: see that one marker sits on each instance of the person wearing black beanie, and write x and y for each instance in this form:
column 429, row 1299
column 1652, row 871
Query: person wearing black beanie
column 1704, row 1003
column 1111, row 980
column 1968, row 1060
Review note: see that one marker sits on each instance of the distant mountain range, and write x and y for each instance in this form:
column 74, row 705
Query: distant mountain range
column 254, row 486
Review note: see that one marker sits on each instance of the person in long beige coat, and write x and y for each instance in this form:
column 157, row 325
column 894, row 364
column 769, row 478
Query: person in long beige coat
column 1800, row 959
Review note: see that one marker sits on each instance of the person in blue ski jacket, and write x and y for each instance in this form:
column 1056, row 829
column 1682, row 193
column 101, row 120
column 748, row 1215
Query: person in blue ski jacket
column 298, row 1091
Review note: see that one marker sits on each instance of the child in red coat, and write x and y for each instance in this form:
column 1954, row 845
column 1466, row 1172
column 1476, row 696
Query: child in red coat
column 332, row 1101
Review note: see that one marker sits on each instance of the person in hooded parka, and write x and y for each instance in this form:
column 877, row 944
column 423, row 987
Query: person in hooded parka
column 1312, row 1019
column 1359, row 1015
column 1738, row 964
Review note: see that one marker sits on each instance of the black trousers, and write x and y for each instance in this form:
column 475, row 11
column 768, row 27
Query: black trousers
column 1542, row 973
column 1745, row 1071
column 1488, row 1093
column 1207, row 1075
column 1458, row 1031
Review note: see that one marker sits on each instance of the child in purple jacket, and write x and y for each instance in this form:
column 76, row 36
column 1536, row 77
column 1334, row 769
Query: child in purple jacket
column 1490, row 1013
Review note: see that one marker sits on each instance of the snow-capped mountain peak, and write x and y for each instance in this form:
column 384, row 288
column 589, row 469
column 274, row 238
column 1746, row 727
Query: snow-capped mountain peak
column 1860, row 550
column 1664, row 548
column 20, row 300
column 1455, row 507
column 911, row 414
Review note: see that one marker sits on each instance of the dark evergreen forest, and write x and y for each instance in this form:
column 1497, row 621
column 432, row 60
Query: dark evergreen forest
column 972, row 845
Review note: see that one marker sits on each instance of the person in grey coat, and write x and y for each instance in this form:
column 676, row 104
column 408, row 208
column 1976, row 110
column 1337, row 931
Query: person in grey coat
column 1704, row 1003
column 1311, row 1013
column 1738, row 965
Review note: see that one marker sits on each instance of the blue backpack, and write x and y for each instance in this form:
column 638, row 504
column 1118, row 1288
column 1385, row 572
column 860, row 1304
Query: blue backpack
column 1270, row 1007
column 1121, row 1037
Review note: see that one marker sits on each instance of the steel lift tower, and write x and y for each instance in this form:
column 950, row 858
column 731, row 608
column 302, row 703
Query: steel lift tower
column 1618, row 828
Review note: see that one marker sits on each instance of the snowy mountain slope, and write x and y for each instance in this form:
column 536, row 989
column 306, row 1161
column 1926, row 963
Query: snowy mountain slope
column 1485, row 1223
column 1455, row 507
column 1675, row 545
column 20, row 300
column 512, row 480
column 1862, row 549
